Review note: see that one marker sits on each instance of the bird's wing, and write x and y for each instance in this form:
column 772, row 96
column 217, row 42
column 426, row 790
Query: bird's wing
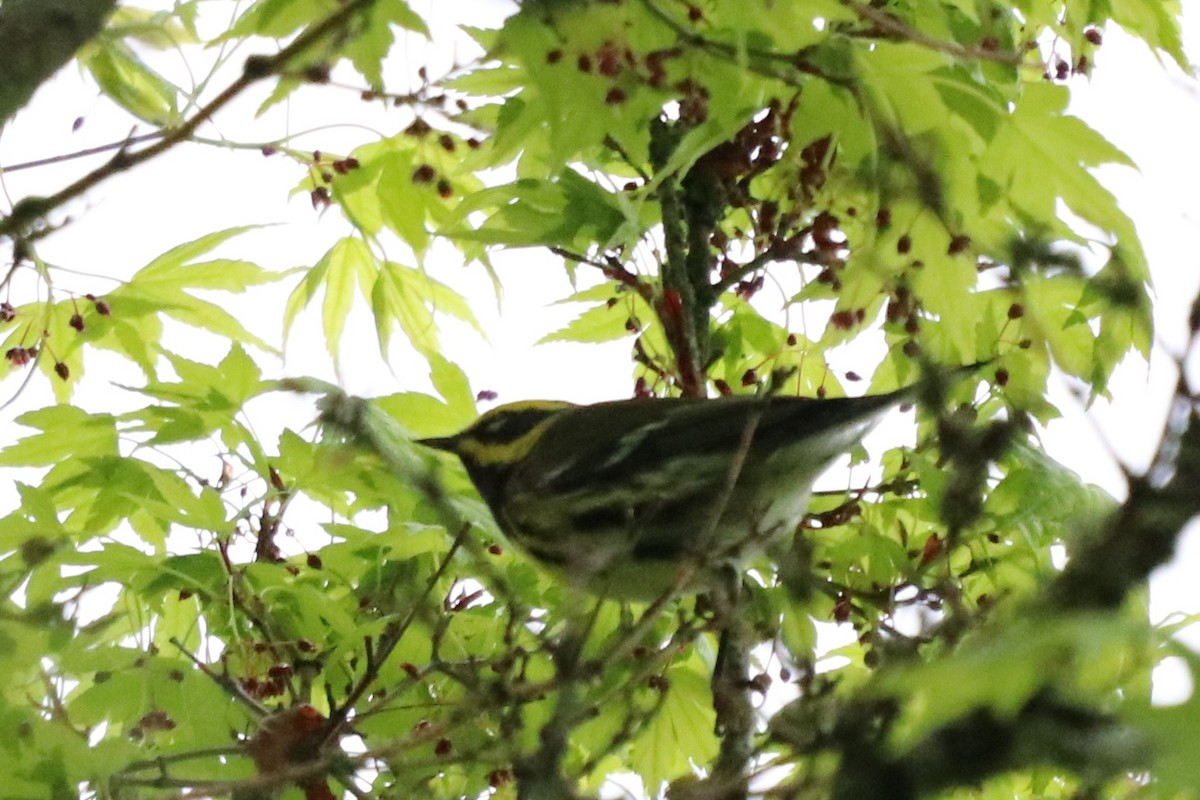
column 626, row 442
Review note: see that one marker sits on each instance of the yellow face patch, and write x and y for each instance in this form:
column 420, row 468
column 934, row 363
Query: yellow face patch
column 486, row 453
column 507, row 434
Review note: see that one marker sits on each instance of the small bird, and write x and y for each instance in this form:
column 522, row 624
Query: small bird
column 633, row 498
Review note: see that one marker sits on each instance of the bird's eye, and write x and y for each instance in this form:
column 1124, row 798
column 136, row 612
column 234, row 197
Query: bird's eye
column 496, row 426
column 502, row 427
column 511, row 424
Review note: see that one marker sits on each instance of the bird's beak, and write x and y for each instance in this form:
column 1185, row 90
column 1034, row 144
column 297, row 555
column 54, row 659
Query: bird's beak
column 447, row 443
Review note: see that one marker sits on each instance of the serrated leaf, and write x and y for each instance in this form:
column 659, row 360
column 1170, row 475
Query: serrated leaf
column 204, row 400
column 900, row 73
column 368, row 50
column 451, row 382
column 159, row 30
column 403, row 202
column 130, row 83
column 597, row 324
column 67, row 432
column 1042, row 153
column 569, row 211
column 1157, row 24
column 426, row 415
column 201, row 510
column 167, row 263
column 279, row 18
column 345, row 266
column 680, row 734
column 161, row 287
column 223, row 274
column 284, row 88
column 241, row 377
column 798, row 632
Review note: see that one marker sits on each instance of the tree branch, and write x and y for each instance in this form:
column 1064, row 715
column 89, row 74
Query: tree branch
column 1142, row 534
column 677, row 305
column 982, row 743
column 256, row 68
column 890, row 24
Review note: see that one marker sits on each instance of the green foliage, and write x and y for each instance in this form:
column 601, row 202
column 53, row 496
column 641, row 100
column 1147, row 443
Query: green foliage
column 207, row 594
column 130, row 83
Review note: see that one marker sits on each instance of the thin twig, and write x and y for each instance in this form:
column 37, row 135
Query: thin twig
column 731, row 690
column 392, row 634
column 762, row 62
column 87, row 151
column 230, row 686
column 616, row 147
column 256, row 69
column 896, row 27
column 612, row 269
column 159, row 762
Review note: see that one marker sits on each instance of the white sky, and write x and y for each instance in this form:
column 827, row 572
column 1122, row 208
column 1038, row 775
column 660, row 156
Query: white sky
column 1148, row 109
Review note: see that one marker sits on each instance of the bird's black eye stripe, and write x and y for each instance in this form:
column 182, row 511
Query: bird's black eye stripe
column 509, row 426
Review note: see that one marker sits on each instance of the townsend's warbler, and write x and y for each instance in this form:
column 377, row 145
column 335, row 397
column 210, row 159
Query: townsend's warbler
column 632, row 498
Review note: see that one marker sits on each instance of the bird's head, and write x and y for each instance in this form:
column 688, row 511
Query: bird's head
column 499, row 440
